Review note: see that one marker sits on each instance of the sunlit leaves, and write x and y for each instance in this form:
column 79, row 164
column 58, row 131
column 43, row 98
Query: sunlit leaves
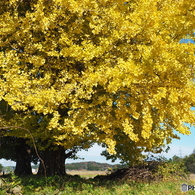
column 105, row 71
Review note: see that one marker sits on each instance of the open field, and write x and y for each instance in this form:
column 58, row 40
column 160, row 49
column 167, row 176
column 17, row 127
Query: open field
column 86, row 174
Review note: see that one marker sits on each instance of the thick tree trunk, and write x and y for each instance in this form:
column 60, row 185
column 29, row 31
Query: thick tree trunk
column 23, row 159
column 54, row 162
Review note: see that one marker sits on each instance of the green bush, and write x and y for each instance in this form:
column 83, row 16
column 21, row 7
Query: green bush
column 172, row 170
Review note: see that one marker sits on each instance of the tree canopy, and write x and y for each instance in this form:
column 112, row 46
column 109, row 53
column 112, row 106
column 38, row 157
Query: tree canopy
column 109, row 71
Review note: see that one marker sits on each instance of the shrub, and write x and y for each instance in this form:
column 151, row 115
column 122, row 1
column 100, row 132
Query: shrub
column 172, row 170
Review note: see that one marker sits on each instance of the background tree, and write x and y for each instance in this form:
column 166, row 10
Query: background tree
column 176, row 158
column 189, row 162
column 103, row 71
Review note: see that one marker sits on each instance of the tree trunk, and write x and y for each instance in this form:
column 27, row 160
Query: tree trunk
column 54, row 162
column 23, row 159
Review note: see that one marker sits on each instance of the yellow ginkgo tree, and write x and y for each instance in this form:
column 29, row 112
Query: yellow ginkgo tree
column 111, row 72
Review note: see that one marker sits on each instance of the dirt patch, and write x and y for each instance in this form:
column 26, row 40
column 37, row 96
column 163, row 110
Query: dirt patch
column 192, row 176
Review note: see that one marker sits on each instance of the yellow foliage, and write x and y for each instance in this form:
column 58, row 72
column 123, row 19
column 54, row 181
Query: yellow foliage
column 101, row 69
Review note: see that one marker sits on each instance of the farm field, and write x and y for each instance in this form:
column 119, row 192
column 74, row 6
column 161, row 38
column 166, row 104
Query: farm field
column 86, row 174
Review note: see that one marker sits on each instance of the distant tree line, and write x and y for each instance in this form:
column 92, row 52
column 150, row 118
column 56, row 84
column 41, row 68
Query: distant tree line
column 90, row 166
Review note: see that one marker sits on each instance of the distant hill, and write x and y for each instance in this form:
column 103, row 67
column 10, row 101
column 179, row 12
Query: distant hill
column 90, row 166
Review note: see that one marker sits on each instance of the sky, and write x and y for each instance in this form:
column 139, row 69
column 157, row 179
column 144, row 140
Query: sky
column 181, row 148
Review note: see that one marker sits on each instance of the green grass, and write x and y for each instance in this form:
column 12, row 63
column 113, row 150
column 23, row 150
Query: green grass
column 71, row 185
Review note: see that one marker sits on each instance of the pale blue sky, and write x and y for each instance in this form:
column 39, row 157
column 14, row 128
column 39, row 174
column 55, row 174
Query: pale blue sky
column 182, row 147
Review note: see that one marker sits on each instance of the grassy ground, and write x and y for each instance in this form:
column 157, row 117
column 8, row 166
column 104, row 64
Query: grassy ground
column 73, row 185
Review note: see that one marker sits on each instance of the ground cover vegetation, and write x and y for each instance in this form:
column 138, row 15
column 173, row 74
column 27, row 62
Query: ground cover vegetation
column 166, row 178
column 110, row 72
